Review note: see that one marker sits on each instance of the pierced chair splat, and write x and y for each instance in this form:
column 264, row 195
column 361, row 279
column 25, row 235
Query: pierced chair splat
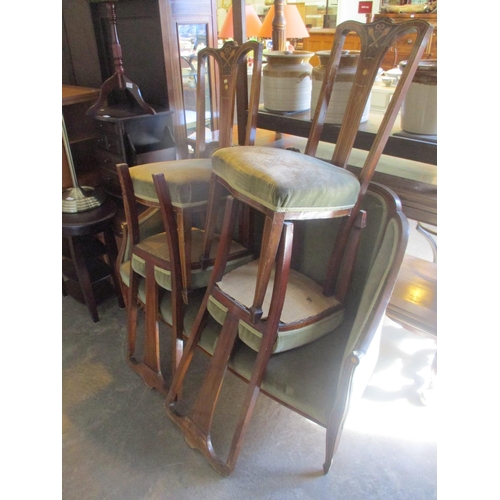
column 268, row 304
column 176, row 192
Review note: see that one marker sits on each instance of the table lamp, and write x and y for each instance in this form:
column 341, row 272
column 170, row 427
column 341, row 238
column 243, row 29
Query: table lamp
column 287, row 76
column 253, row 23
column 78, row 199
column 294, row 28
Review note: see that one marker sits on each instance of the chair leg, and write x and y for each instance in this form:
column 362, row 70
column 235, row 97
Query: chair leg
column 267, row 343
column 345, row 273
column 217, row 190
column 112, row 251
column 184, row 224
column 270, row 242
column 220, row 263
column 132, row 307
column 340, row 409
column 196, row 425
column 76, row 248
column 177, row 327
column 150, row 368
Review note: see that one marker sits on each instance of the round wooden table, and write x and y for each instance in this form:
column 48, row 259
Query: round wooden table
column 89, row 265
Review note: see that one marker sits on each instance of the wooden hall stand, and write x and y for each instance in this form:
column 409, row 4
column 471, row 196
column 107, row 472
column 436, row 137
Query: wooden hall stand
column 86, row 276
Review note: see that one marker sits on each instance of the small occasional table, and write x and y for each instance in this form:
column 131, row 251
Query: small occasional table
column 87, row 276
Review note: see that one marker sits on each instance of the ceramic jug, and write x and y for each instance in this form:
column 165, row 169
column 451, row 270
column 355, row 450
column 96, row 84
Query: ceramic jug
column 287, row 81
column 419, row 108
column 341, row 88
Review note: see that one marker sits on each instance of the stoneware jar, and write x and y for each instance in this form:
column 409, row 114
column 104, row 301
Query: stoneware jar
column 341, row 88
column 419, row 108
column 287, row 81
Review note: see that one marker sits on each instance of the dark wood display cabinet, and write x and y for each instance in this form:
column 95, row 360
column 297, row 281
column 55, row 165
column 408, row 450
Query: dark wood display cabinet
column 131, row 139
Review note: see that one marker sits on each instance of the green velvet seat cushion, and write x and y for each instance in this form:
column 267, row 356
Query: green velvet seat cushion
column 188, row 181
column 157, row 245
column 303, row 299
column 125, row 277
column 286, row 181
column 306, row 378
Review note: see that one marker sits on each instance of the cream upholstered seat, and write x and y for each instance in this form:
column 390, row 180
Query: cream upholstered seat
column 291, row 191
column 169, row 259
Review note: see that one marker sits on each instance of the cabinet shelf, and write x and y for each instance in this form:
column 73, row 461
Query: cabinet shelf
column 102, row 291
column 93, row 248
column 98, row 270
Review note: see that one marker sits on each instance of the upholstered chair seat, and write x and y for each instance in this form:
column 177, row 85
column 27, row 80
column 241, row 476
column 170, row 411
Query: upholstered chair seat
column 276, row 305
column 188, row 181
column 172, row 261
column 286, row 181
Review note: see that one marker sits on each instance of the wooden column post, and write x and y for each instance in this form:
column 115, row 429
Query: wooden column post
column 279, row 25
column 240, row 36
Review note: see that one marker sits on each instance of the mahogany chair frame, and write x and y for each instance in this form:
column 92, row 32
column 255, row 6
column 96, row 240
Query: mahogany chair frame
column 376, row 39
column 179, row 220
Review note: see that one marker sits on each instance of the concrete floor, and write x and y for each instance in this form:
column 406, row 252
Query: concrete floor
column 118, row 443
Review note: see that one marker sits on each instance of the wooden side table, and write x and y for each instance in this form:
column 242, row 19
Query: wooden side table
column 87, row 276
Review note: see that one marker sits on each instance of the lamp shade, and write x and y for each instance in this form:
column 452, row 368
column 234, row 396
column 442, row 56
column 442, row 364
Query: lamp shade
column 295, row 27
column 253, row 23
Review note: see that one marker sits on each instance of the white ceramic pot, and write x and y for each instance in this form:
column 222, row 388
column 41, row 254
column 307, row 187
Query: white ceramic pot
column 419, row 108
column 287, row 81
column 341, row 88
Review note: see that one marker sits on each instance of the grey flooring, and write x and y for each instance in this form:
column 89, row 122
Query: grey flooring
column 118, row 443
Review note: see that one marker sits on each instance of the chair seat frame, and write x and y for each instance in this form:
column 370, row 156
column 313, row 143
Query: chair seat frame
column 196, row 424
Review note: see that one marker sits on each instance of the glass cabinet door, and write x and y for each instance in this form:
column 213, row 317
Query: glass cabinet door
column 187, row 27
column 191, row 38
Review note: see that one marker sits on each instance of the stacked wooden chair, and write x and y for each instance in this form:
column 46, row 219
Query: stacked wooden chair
column 164, row 244
column 322, row 312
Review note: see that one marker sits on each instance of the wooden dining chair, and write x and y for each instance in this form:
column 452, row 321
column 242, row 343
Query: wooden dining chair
column 187, row 183
column 269, row 305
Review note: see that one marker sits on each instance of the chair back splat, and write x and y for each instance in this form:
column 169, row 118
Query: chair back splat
column 161, row 253
column 267, row 306
column 376, row 38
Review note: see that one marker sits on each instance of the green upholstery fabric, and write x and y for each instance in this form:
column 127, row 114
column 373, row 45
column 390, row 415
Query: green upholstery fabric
column 190, row 310
column 285, row 181
column 304, row 298
column 157, row 245
column 125, row 277
column 188, row 181
column 148, row 226
column 307, row 377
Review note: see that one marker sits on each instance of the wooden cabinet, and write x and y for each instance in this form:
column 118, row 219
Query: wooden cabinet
column 401, row 50
column 322, row 39
column 81, row 134
column 134, row 140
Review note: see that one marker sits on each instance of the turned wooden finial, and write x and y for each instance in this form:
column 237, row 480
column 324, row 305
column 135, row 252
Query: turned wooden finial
column 279, row 25
column 115, row 43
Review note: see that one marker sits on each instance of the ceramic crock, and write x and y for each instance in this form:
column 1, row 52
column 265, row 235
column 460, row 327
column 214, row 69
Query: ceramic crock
column 287, row 81
column 419, row 108
column 341, row 88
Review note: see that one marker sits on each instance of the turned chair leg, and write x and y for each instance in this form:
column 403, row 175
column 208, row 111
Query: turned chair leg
column 196, row 424
column 132, row 307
